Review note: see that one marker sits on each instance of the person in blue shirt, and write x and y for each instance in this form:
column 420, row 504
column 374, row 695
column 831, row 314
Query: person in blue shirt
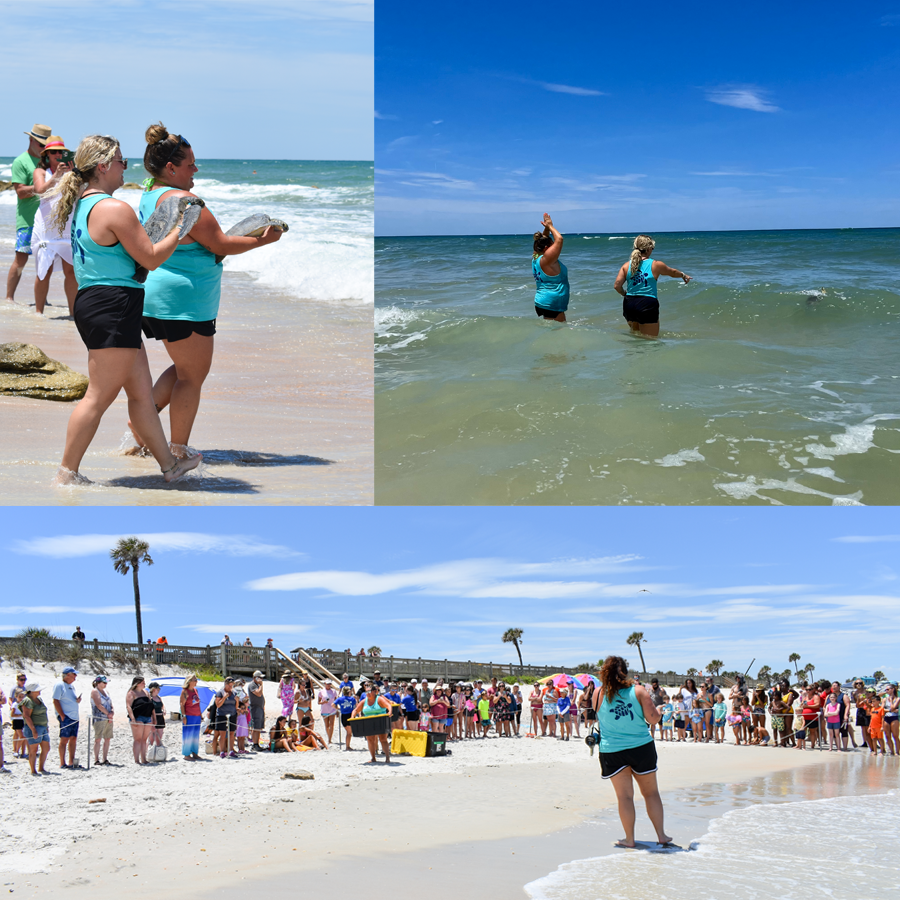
column 345, row 704
column 636, row 282
column 563, row 710
column 345, row 682
column 551, row 277
column 410, row 704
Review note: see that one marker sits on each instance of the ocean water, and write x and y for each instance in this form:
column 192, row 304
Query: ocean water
column 327, row 253
column 840, row 848
column 774, row 380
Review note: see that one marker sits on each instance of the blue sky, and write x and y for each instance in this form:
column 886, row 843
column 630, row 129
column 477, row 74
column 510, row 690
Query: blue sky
column 624, row 117
column 446, row 583
column 285, row 79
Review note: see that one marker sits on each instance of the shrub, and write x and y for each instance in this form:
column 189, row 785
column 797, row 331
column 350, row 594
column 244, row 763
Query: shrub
column 39, row 643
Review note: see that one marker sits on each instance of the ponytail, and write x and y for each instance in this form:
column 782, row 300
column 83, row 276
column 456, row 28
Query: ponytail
column 643, row 243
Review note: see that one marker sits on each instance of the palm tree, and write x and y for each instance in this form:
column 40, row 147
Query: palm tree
column 127, row 556
column 765, row 675
column 715, row 666
column 635, row 639
column 878, row 676
column 514, row 636
column 810, row 668
column 374, row 652
column 795, row 658
column 691, row 672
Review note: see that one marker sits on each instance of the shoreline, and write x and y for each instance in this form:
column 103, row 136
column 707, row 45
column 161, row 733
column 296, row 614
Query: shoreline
column 286, row 415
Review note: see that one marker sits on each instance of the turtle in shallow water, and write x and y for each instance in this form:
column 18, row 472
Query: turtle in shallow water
column 254, row 226
column 163, row 221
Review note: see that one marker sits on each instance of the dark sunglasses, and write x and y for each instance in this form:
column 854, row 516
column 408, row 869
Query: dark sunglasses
column 179, row 142
column 57, row 152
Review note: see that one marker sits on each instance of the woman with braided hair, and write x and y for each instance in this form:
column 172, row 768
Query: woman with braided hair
column 636, row 282
column 108, row 244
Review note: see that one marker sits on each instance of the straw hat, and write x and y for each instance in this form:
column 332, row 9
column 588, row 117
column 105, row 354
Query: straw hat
column 55, row 142
column 40, row 133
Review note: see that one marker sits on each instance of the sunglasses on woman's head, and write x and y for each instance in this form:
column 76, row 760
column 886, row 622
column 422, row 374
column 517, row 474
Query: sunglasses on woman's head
column 179, row 142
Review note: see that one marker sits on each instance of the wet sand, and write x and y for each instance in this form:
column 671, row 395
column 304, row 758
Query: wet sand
column 285, row 417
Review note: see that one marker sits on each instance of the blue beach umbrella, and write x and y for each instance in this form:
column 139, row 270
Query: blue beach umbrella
column 171, row 687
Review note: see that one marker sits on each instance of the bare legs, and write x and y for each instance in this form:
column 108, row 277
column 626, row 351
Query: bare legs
column 15, row 275
column 140, row 734
column 109, row 371
column 180, row 385
column 623, row 784
column 651, row 330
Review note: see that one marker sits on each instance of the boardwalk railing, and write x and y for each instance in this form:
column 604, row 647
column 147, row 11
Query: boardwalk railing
column 245, row 660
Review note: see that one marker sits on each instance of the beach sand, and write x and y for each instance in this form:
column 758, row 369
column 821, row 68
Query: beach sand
column 285, row 417
column 497, row 813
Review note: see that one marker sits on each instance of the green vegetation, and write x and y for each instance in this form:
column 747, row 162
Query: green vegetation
column 514, row 636
column 127, row 556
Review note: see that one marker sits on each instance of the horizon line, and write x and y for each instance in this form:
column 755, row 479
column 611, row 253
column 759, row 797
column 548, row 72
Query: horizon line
column 518, row 234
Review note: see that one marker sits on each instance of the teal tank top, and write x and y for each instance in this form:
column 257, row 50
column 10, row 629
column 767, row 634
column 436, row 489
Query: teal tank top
column 375, row 710
column 188, row 284
column 550, row 291
column 642, row 283
column 622, row 723
column 94, row 263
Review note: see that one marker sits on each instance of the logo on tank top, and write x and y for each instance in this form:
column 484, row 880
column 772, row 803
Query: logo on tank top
column 622, row 709
column 76, row 244
column 639, row 278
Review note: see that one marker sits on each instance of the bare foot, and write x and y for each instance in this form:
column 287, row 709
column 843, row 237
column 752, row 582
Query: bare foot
column 182, row 451
column 623, row 845
column 67, row 476
column 664, row 839
column 181, row 467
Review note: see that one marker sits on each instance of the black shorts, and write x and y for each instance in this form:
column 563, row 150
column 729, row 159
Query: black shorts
column 412, row 716
column 590, row 714
column 548, row 313
column 108, row 316
column 224, row 724
column 172, row 330
column 345, row 720
column 641, row 760
column 811, row 724
column 862, row 718
column 643, row 310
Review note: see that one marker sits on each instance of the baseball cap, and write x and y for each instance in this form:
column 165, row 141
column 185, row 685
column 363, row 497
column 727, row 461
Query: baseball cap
column 68, row 670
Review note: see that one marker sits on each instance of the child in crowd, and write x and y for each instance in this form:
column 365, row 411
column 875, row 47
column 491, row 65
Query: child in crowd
column 410, row 704
column 20, row 744
column 696, row 720
column 833, row 722
column 278, row 737
column 470, row 710
column 746, row 718
column 876, row 724
column 243, row 724
column 681, row 713
column 736, row 720
column 668, row 720
column 345, row 705
column 720, row 711
column 307, row 738
column 484, row 714
column 761, row 736
column 564, row 716
column 779, row 710
column 159, row 716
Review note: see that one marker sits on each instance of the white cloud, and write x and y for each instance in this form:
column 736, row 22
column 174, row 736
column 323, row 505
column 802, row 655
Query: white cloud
column 66, row 546
column 867, row 539
column 383, row 116
column 86, row 610
column 737, row 173
column 438, row 122
column 742, row 97
column 248, row 629
column 568, row 89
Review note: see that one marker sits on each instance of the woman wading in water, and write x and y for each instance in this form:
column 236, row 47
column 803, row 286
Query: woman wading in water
column 551, row 277
column 108, row 242
column 636, row 282
column 182, row 299
column 627, row 749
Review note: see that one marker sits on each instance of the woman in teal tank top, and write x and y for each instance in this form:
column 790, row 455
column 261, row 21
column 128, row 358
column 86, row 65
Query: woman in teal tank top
column 551, row 277
column 636, row 282
column 373, row 704
column 181, row 302
column 627, row 749
column 108, row 244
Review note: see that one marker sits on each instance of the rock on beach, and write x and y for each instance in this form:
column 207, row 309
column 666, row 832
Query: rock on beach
column 26, row 371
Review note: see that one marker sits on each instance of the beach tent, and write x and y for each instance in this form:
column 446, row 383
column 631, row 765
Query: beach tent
column 171, row 687
column 583, row 679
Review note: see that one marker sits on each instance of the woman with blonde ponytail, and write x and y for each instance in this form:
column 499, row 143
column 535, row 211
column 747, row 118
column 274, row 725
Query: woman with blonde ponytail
column 551, row 277
column 108, row 245
column 182, row 295
column 636, row 282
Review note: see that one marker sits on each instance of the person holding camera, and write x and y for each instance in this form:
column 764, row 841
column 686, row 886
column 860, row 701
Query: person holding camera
column 49, row 244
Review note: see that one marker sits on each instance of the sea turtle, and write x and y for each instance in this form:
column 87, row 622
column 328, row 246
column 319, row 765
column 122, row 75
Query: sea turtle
column 254, row 226
column 163, row 220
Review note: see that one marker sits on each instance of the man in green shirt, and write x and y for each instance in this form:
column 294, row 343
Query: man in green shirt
column 27, row 204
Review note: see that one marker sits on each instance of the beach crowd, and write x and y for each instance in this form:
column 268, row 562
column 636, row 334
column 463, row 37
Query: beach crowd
column 237, row 722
